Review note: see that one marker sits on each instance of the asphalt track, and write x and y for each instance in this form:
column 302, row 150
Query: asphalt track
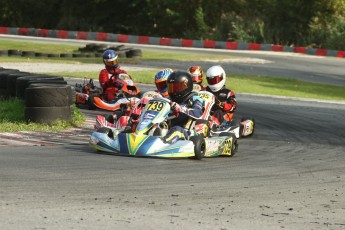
column 289, row 175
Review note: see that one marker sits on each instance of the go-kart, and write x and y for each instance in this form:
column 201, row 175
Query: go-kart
column 127, row 91
column 148, row 143
column 208, row 126
column 127, row 114
column 92, row 96
column 86, row 92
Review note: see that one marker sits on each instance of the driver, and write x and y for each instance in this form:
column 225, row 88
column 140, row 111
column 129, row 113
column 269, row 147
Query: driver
column 161, row 81
column 108, row 75
column 198, row 76
column 185, row 104
column 225, row 106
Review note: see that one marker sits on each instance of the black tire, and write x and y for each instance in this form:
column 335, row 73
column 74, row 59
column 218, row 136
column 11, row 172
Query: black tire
column 11, row 82
column 47, row 114
column 41, row 54
column 3, row 93
column 91, row 47
column 54, row 55
column 14, row 53
column 80, row 55
column 47, row 96
column 23, row 82
column 134, row 53
column 91, row 104
column 66, row 55
column 3, row 77
column 107, row 131
column 28, row 54
column 199, row 147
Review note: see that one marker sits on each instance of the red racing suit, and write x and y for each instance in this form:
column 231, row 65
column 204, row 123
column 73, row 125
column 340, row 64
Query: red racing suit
column 109, row 84
column 225, row 105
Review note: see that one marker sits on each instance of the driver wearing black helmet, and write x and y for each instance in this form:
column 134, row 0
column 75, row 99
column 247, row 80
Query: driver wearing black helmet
column 185, row 104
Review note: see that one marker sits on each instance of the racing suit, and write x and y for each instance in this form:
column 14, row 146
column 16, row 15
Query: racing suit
column 191, row 107
column 225, row 105
column 109, row 84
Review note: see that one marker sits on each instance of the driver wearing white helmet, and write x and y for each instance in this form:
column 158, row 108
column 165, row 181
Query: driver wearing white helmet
column 225, row 106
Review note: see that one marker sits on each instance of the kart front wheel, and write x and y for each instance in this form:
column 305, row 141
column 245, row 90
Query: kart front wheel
column 199, row 147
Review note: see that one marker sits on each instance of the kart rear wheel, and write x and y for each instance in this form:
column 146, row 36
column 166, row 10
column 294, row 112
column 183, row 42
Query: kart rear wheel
column 107, row 131
column 91, row 103
column 199, row 147
column 253, row 120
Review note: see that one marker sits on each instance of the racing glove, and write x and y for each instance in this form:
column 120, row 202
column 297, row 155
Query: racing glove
column 176, row 108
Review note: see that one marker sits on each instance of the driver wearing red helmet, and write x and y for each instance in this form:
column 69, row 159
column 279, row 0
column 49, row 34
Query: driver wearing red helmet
column 198, row 76
column 108, row 75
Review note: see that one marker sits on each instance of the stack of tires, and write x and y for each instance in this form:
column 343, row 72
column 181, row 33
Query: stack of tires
column 4, row 77
column 46, row 98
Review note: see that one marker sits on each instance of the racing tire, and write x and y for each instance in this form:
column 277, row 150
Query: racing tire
column 91, row 103
column 107, row 131
column 47, row 95
column 67, row 55
column 199, row 147
column 47, row 114
column 28, row 54
column 11, row 82
column 4, row 75
column 39, row 54
column 23, row 82
column 14, row 53
column 252, row 119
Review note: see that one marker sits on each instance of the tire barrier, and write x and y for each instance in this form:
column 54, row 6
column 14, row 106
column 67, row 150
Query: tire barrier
column 23, row 82
column 46, row 98
column 4, row 73
column 47, row 114
column 89, row 51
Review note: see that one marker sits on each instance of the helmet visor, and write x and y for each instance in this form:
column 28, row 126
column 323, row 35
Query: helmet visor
column 177, row 87
column 214, row 80
column 111, row 63
column 196, row 78
column 161, row 85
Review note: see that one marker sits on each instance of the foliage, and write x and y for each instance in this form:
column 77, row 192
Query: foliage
column 316, row 23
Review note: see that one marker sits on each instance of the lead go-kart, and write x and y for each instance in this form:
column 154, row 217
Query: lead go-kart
column 126, row 114
column 146, row 140
column 206, row 125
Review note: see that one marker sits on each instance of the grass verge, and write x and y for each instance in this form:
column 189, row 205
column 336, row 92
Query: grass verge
column 249, row 84
column 12, row 119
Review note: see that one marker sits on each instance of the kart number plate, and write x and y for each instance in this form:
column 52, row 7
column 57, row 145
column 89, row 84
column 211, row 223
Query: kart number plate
column 205, row 96
column 227, row 147
column 155, row 106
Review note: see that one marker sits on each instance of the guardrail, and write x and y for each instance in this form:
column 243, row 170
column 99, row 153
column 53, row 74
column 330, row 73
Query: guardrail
column 163, row 41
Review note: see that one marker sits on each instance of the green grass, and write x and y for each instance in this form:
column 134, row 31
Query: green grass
column 249, row 84
column 12, row 119
column 37, row 47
